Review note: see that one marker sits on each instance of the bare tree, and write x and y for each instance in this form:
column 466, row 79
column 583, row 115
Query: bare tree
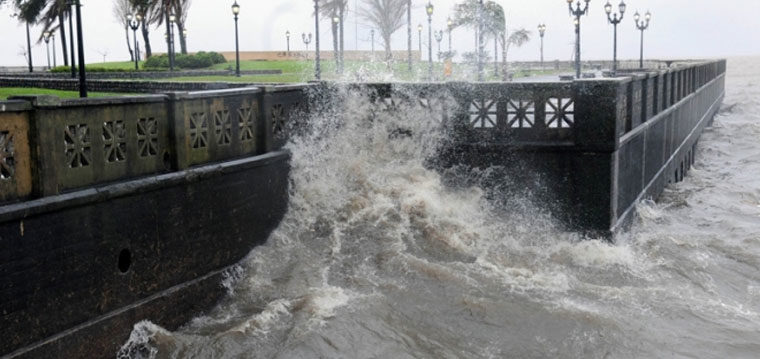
column 387, row 16
column 121, row 9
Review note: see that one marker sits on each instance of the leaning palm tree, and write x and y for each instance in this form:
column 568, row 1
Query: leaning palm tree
column 52, row 18
column 387, row 16
column 517, row 38
column 330, row 9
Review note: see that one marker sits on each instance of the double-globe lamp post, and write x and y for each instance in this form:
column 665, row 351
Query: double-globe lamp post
column 46, row 38
column 614, row 19
column 236, row 12
column 577, row 12
column 642, row 25
column 541, row 32
column 429, row 9
column 134, row 24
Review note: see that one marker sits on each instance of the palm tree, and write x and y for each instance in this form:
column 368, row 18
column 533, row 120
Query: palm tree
column 331, row 9
column 53, row 18
column 517, row 38
column 145, row 9
column 387, row 16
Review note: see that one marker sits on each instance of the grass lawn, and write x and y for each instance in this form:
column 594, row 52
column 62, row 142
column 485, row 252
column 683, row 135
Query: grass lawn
column 303, row 71
column 6, row 92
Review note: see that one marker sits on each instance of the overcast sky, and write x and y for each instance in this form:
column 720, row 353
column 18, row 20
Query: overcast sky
column 679, row 29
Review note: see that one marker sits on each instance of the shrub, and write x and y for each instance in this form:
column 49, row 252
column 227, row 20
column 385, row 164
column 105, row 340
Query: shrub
column 199, row 60
column 66, row 69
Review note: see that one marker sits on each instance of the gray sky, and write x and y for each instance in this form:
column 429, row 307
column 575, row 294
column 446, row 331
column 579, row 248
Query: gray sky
column 679, row 29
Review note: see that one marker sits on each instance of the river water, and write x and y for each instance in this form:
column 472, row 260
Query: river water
column 377, row 258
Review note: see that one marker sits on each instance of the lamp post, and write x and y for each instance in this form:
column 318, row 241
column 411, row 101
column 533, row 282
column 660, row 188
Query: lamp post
column 306, row 40
column 134, row 24
column 235, row 12
column 578, row 11
column 317, row 69
column 614, row 20
column 52, row 39
column 419, row 37
column 172, row 19
column 287, row 40
column 429, row 10
column 184, row 36
column 46, row 38
column 80, row 45
column 439, row 38
column 541, row 32
column 450, row 25
column 643, row 25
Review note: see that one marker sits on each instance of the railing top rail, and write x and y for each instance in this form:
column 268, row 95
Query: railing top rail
column 49, row 101
column 15, row 106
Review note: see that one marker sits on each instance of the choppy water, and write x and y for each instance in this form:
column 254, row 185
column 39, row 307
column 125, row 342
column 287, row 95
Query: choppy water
column 378, row 259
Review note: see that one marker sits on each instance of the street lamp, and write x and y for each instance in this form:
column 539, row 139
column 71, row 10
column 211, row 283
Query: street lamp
column 541, row 32
column 438, row 39
column 429, row 10
column 236, row 12
column 46, row 38
column 450, row 25
column 170, row 34
column 287, row 39
column 134, row 24
column 52, row 39
column 80, row 47
column 306, row 40
column 615, row 20
column 643, row 25
column 578, row 11
column 419, row 37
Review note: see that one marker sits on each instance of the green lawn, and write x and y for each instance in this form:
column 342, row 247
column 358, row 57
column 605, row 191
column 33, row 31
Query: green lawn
column 6, row 92
column 303, row 71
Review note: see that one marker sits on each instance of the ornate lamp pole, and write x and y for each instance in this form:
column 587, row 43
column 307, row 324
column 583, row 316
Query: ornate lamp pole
column 306, row 40
column 172, row 19
column 429, row 10
column 541, row 32
column 52, row 38
column 134, row 24
column 236, row 12
column 450, row 25
column 615, row 20
column 643, row 25
column 46, row 38
column 419, row 37
column 438, row 38
column 287, row 39
column 578, row 11
column 317, row 70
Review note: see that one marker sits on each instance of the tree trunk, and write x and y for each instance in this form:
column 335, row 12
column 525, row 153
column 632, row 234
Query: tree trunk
column 388, row 53
column 62, row 27
column 182, row 40
column 496, row 56
column 146, row 41
column 505, row 75
column 129, row 46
